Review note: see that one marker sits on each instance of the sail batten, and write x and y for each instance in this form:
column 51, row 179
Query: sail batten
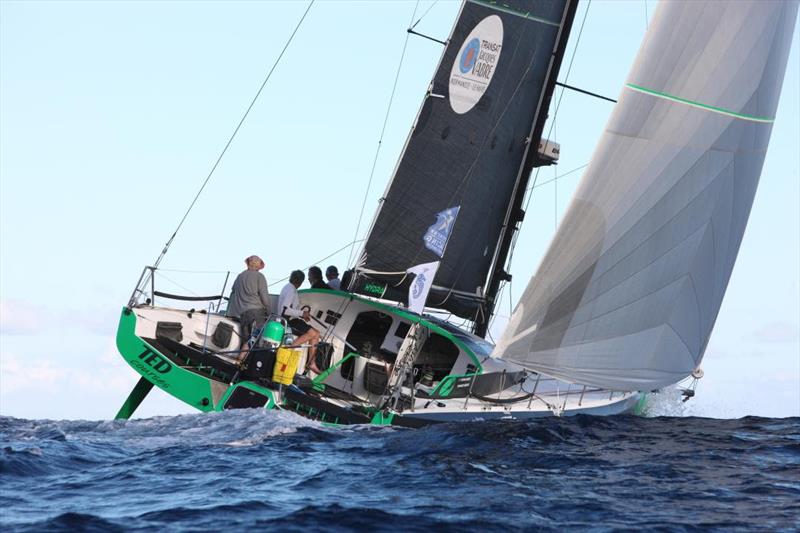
column 629, row 290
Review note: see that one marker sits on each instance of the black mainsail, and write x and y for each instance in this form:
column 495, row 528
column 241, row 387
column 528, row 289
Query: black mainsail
column 472, row 148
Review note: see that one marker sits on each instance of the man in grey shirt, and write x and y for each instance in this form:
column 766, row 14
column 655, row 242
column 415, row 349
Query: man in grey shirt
column 249, row 301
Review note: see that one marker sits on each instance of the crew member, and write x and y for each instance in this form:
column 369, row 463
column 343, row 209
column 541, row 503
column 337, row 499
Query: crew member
column 249, row 300
column 332, row 274
column 315, row 278
column 289, row 308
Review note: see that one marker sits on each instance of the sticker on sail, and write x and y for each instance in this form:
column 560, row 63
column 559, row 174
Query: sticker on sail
column 438, row 234
column 475, row 64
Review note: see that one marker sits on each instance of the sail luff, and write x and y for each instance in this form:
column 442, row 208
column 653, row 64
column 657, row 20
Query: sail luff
column 631, row 285
column 428, row 94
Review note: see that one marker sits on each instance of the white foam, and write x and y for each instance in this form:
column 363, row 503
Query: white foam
column 666, row 402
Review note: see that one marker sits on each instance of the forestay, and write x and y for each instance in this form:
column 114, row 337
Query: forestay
column 470, row 143
column 628, row 292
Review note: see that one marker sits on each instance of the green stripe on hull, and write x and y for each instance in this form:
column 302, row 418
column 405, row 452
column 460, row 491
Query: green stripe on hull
column 641, row 405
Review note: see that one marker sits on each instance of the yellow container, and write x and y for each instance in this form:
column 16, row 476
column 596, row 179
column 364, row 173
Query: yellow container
column 285, row 365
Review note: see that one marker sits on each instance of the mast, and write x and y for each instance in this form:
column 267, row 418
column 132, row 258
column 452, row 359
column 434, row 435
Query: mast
column 515, row 213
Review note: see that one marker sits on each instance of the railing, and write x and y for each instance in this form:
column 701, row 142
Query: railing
column 145, row 291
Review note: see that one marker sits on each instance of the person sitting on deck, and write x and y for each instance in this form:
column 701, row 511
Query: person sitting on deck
column 289, row 308
column 315, row 278
column 249, row 301
column 332, row 275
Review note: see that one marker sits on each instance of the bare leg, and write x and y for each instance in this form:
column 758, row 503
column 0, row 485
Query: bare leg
column 310, row 337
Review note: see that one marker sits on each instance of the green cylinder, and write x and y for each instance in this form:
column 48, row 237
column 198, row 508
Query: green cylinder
column 273, row 332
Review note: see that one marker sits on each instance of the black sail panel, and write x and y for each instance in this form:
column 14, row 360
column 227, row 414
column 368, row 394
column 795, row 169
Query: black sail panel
column 466, row 150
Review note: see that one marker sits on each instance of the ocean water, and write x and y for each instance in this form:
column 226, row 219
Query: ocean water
column 277, row 471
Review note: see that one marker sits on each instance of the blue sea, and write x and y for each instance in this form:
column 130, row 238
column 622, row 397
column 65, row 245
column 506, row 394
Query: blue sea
column 264, row 470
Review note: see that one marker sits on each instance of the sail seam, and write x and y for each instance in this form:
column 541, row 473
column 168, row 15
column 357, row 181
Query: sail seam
column 699, row 105
column 599, row 276
column 666, row 284
column 661, row 227
column 681, row 339
column 616, row 309
column 511, row 11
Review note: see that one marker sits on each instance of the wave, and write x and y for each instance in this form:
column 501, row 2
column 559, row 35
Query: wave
column 275, row 470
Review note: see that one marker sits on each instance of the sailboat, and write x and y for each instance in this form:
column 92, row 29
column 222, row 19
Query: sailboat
column 623, row 302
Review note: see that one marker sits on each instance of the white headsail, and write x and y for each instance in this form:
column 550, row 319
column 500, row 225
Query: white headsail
column 628, row 292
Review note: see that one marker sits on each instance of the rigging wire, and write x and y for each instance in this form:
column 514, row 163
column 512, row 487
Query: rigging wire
column 380, row 139
column 190, row 291
column 321, row 260
column 230, row 140
column 564, row 175
column 424, row 14
column 555, row 181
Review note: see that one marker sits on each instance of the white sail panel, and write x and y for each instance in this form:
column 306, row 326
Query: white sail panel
column 628, row 292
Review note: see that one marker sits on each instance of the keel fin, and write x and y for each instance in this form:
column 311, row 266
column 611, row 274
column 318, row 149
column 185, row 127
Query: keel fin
column 135, row 398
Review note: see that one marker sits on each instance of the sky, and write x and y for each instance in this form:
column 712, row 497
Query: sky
column 113, row 113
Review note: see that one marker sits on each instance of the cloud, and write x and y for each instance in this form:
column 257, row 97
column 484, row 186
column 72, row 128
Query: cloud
column 97, row 321
column 18, row 373
column 18, row 317
column 98, row 373
column 778, row 332
column 21, row 318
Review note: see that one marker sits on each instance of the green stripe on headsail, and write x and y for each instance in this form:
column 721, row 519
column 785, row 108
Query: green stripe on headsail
column 700, row 105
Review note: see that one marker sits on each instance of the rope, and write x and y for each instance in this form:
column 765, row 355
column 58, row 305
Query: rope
column 380, row 139
column 320, row 260
column 230, row 140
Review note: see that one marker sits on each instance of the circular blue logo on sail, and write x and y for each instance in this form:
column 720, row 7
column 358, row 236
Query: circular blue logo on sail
column 469, row 56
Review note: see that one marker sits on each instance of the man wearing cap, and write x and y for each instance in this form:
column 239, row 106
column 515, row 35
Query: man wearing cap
column 332, row 274
column 249, row 301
